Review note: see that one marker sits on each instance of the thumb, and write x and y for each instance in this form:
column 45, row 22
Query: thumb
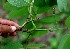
column 6, row 28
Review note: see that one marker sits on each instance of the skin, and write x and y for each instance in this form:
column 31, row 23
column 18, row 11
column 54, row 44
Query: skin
column 5, row 29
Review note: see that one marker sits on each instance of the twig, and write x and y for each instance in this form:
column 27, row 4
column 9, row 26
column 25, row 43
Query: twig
column 20, row 28
column 44, row 29
column 30, row 11
column 27, row 21
column 33, row 23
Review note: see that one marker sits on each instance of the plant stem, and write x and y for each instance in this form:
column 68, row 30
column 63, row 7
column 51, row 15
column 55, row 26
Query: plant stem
column 30, row 11
column 33, row 23
column 46, row 29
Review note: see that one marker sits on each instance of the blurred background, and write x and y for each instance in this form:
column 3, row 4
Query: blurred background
column 51, row 19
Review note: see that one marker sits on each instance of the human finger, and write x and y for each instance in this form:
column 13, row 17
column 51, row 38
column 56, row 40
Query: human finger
column 5, row 35
column 13, row 34
column 8, row 22
column 5, row 29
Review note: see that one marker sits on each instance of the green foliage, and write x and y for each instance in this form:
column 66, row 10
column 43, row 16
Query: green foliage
column 48, row 2
column 18, row 3
column 32, row 46
column 53, row 42
column 30, row 25
column 39, row 3
column 42, row 3
column 17, row 13
column 13, row 45
column 67, row 22
column 28, row 1
column 23, row 36
column 6, row 40
column 65, row 42
column 43, row 9
column 7, row 6
column 51, row 22
column 62, row 5
column 51, row 19
column 39, row 33
column 24, row 17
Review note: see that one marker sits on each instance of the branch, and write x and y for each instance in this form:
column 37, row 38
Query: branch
column 35, row 29
column 27, row 21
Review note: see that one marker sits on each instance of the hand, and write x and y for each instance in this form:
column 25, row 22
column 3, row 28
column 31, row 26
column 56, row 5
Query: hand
column 5, row 27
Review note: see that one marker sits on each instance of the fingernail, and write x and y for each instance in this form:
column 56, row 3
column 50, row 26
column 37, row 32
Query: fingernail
column 13, row 28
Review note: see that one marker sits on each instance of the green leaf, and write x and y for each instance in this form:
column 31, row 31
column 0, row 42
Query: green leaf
column 23, row 36
column 39, row 3
column 9, row 7
column 39, row 33
column 43, row 9
column 23, row 19
column 62, row 5
column 18, row 13
column 67, row 22
column 65, row 42
column 47, row 2
column 28, row 1
column 50, row 19
column 35, row 45
column 53, row 42
column 13, row 45
column 17, row 3
column 7, row 40
column 30, row 25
